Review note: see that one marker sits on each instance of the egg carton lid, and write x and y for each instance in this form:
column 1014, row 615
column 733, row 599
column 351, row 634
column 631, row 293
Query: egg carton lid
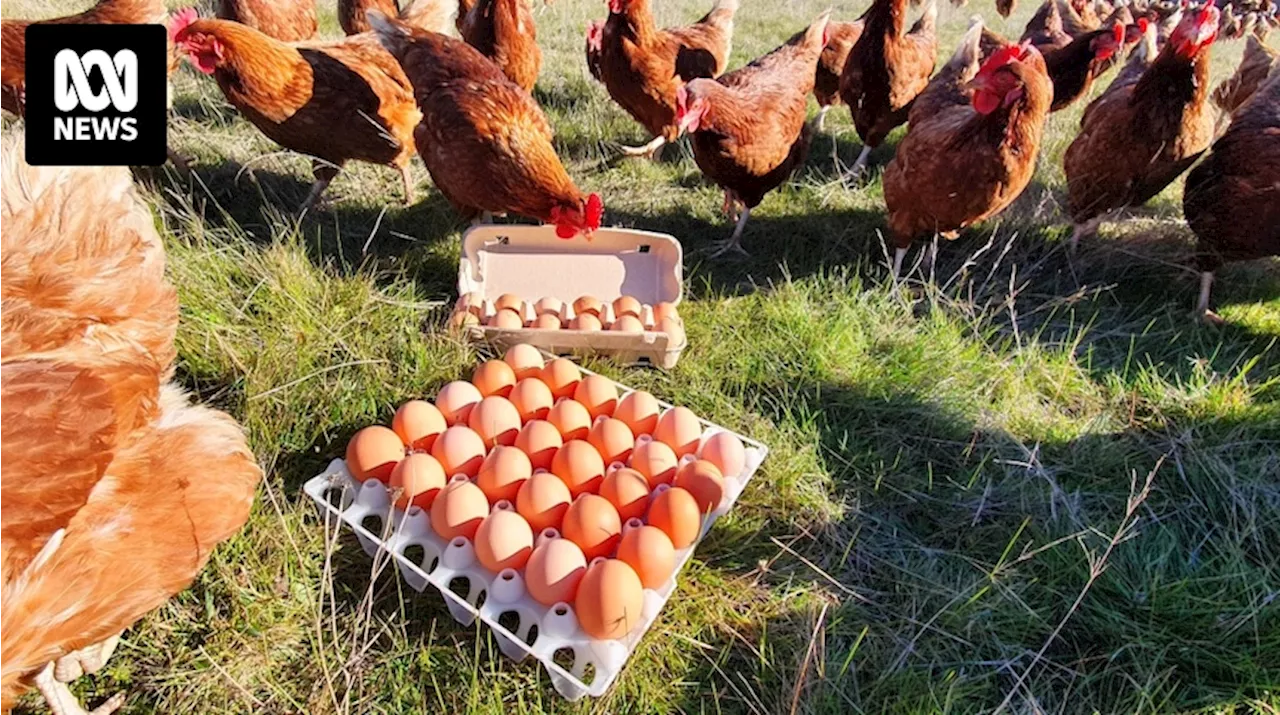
column 533, row 262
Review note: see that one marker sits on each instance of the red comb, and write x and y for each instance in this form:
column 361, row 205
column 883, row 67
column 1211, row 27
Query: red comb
column 1143, row 24
column 595, row 211
column 1005, row 55
column 1117, row 31
column 180, row 21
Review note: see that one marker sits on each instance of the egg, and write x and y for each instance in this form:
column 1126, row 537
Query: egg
column 472, row 303
column 508, row 301
column 627, row 305
column 649, row 552
column 542, row 500
column 502, row 473
column 524, row 359
column 458, row 510
column 418, row 424
column 665, row 310
column 455, row 401
column 494, row 377
column 586, row 321
column 704, row 481
column 462, row 320
column 496, row 420
column 539, row 439
column 459, row 450
column 674, row 330
column 676, row 512
column 579, row 465
column 612, row 439
column 593, row 524
column 639, row 411
column 610, row 600
column 627, row 324
column 598, row 394
column 546, row 321
column 532, row 399
column 571, row 418
column 726, row 451
column 587, row 304
column 628, row 491
column 562, row 376
column 507, row 319
column 554, row 571
column 373, row 452
column 680, row 430
column 547, row 304
column 503, row 541
column 420, row 477
column 655, row 461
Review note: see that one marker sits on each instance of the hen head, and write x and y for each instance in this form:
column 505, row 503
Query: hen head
column 691, row 108
column 617, row 7
column 1197, row 30
column 1106, row 44
column 583, row 218
column 996, row 84
column 204, row 50
column 595, row 35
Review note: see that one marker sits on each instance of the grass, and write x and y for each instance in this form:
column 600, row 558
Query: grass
column 1030, row 481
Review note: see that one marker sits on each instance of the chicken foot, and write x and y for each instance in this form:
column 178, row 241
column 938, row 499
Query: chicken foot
column 1202, row 305
column 1088, row 228
column 652, row 150
column 734, row 242
column 85, row 661
column 62, row 701
column 822, row 118
column 324, row 173
column 407, row 179
column 860, row 164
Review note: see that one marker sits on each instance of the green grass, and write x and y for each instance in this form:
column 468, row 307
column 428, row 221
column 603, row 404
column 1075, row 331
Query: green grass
column 950, row 462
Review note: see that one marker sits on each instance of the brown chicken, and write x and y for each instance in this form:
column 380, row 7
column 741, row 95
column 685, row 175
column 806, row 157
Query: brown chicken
column 1252, row 72
column 841, row 37
column 971, row 145
column 285, row 20
column 1137, row 138
column 115, row 489
column 887, row 67
column 642, row 66
column 1074, row 67
column 595, row 40
column 1045, row 30
column 1232, row 198
column 504, row 31
column 334, row 100
column 485, row 141
column 1006, row 7
column 748, row 127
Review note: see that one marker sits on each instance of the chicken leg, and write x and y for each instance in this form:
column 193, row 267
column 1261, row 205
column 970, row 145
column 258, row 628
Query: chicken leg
column 1088, row 228
column 324, row 173
column 1202, row 305
column 860, row 164
column 85, row 661
column 898, row 254
column 407, row 179
column 62, row 701
column 652, row 150
column 734, row 242
column 822, row 118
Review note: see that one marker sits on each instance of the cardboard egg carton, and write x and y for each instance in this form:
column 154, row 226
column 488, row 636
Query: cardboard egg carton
column 533, row 263
column 576, row 664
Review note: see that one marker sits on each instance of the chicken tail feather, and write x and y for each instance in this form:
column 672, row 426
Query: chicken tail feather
column 969, row 51
column 928, row 22
column 393, row 34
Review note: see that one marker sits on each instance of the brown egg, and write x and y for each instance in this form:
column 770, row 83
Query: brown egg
column 496, row 420
column 542, row 501
column 610, row 600
column 562, row 376
column 459, row 450
column 586, row 321
column 674, row 330
column 598, row 394
column 373, row 452
column 418, row 424
column 503, row 541
column 726, row 451
column 547, row 304
column 539, row 439
column 507, row 319
column 655, row 461
column 508, row 301
column 579, row 465
column 494, row 377
column 627, row 305
column 704, row 481
column 455, row 401
column 546, row 321
column 639, row 410
column 458, row 510
column 649, row 552
column 571, row 418
column 524, row 359
column 472, row 303
column 627, row 324
column 593, row 524
column 554, row 571
column 676, row 512
column 664, row 310
column 587, row 304
column 612, row 439
column 532, row 399
column 628, row 492
column 420, row 477
column 502, row 473
column 680, row 430
column 462, row 320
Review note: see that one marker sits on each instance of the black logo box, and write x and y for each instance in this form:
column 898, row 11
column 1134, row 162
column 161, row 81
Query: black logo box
column 150, row 115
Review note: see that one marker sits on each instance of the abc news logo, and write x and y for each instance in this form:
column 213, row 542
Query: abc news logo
column 96, row 94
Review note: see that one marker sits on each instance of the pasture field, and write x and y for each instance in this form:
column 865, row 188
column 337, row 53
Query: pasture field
column 1024, row 482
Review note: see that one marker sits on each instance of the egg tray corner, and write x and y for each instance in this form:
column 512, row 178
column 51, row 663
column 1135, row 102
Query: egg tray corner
column 491, row 596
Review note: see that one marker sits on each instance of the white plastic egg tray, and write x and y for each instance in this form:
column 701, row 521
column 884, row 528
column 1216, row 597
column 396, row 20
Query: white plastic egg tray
column 593, row 664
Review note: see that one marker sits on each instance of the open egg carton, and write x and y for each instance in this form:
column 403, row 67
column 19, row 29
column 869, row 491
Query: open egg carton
column 576, row 663
column 533, row 264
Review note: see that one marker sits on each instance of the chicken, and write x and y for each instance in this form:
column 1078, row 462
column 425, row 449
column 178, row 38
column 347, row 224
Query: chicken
column 351, row 13
column 841, row 37
column 335, row 100
column 485, row 141
column 13, row 39
column 887, row 68
column 114, row 488
column 1079, row 17
column 1137, row 138
column 285, row 20
column 1045, row 30
column 971, row 144
column 1254, row 65
column 595, row 39
column 1232, row 198
column 642, row 66
column 432, row 15
column 748, row 127
column 1074, row 67
column 1006, row 7
column 504, row 31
